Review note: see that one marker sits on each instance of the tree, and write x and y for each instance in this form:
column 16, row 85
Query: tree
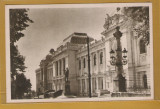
column 18, row 22
column 22, row 85
column 17, row 61
column 140, row 16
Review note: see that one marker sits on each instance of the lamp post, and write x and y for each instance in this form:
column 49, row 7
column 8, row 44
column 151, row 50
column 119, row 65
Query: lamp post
column 89, row 73
column 83, row 38
column 118, row 59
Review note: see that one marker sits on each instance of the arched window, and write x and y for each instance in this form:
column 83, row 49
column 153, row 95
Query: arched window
column 84, row 62
column 79, row 64
column 142, row 46
column 101, row 58
column 94, row 59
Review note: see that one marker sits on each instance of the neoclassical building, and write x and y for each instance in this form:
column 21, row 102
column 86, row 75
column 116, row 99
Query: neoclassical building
column 51, row 73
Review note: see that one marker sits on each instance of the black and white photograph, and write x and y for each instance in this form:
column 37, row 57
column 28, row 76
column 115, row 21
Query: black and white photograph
column 79, row 52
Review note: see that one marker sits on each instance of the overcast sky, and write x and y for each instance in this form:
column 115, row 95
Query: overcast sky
column 51, row 26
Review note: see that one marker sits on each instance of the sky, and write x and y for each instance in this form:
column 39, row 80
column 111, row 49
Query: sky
column 51, row 26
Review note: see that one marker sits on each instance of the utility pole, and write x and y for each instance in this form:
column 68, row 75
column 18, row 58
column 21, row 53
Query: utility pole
column 89, row 73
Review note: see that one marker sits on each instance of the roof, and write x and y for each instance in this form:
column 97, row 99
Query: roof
column 73, row 35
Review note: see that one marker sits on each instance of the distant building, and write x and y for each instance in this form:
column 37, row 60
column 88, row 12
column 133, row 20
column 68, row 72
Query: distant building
column 51, row 74
column 39, row 81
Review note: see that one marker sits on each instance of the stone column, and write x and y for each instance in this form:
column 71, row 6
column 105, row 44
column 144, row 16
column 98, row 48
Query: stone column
column 119, row 66
column 81, row 65
column 86, row 68
column 58, row 68
column 104, row 60
column 63, row 64
column 104, row 86
column 60, row 63
column 62, row 73
column 91, row 85
column 80, row 85
column 91, row 65
column 97, row 61
column 95, row 66
column 86, row 85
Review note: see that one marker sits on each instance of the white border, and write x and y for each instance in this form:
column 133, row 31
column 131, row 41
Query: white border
column 100, row 5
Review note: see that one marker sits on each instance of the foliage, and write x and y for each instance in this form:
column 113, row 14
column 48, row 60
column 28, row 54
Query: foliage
column 141, row 17
column 17, row 61
column 22, row 85
column 18, row 22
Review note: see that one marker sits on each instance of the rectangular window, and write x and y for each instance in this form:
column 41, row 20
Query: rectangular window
column 60, row 67
column 100, row 83
column 139, row 80
column 79, row 85
column 42, row 74
column 83, row 85
column 57, row 68
column 64, row 65
column 94, row 58
column 87, row 80
column 48, row 74
column 93, row 84
column 84, row 63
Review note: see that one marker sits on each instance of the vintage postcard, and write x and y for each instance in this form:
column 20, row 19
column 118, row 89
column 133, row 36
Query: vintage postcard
column 79, row 52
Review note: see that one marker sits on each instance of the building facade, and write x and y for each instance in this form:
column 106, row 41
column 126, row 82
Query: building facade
column 51, row 74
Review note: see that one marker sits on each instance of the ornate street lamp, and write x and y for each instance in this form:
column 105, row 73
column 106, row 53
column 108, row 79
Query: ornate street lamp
column 114, row 59
column 118, row 59
column 124, row 54
column 112, row 56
